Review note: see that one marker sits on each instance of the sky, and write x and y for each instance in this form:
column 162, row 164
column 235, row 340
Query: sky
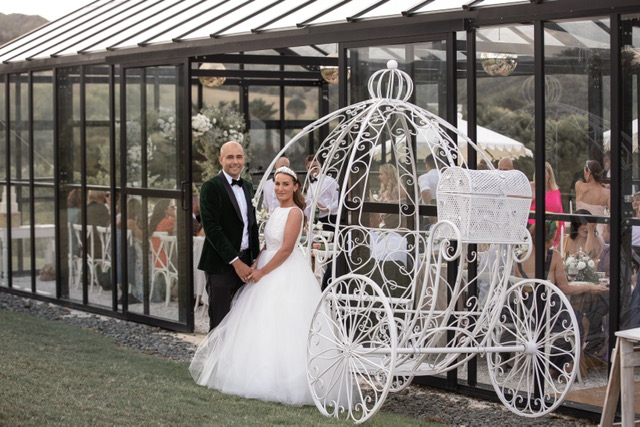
column 48, row 9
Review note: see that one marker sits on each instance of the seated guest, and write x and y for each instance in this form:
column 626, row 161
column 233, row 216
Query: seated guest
column 593, row 194
column 162, row 219
column 584, row 237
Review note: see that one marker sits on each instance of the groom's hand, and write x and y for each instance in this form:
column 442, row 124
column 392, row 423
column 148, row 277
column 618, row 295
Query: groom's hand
column 242, row 270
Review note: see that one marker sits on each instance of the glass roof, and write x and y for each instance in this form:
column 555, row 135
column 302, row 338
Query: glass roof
column 107, row 25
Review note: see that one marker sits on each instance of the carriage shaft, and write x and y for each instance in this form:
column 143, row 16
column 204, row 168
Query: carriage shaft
column 460, row 350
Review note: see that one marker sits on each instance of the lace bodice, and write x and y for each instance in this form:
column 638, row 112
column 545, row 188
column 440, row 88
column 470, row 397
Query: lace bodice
column 274, row 230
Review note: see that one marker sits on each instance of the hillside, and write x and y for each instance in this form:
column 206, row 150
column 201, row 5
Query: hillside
column 15, row 24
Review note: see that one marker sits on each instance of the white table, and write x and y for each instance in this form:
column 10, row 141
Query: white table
column 42, row 231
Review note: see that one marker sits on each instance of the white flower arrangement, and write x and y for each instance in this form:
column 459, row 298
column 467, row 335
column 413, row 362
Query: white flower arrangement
column 317, row 227
column 262, row 215
column 581, row 267
column 200, row 124
column 167, row 127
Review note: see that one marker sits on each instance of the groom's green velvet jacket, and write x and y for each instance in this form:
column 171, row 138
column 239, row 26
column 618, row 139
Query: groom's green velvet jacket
column 222, row 223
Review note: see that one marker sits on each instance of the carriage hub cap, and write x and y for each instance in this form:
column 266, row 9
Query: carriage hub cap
column 530, row 347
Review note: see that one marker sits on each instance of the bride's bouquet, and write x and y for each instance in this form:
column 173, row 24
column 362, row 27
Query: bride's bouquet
column 580, row 267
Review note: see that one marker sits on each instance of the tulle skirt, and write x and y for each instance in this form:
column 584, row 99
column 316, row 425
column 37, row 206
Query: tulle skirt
column 259, row 350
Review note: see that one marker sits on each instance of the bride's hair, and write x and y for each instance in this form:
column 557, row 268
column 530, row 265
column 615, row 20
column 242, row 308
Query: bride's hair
column 298, row 197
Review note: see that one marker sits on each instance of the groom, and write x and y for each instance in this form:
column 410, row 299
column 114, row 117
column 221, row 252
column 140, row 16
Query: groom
column 231, row 232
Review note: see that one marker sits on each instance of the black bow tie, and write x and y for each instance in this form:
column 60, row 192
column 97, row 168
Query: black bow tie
column 237, row 182
column 312, row 180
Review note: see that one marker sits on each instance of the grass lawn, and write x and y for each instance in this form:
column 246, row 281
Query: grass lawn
column 53, row 373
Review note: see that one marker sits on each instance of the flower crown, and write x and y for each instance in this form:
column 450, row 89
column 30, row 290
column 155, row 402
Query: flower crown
column 286, row 170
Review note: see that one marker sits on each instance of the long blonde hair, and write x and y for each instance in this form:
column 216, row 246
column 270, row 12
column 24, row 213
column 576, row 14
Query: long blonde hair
column 553, row 185
column 391, row 189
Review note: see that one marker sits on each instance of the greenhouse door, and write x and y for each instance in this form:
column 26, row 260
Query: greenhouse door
column 155, row 196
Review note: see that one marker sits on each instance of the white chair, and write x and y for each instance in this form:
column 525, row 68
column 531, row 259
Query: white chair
column 86, row 245
column 104, row 234
column 163, row 265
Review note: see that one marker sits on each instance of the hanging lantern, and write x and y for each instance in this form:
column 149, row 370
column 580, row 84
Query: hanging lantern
column 211, row 81
column 499, row 64
column 331, row 73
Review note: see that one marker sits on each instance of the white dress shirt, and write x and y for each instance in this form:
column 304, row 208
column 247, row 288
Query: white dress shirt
column 429, row 181
column 387, row 245
column 328, row 196
column 242, row 204
column 270, row 200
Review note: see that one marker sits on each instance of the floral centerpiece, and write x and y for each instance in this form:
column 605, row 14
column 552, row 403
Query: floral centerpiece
column 580, row 267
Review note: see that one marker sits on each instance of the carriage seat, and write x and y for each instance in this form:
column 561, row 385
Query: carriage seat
column 487, row 206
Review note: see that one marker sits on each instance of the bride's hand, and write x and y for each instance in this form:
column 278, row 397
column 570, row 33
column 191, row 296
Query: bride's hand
column 256, row 275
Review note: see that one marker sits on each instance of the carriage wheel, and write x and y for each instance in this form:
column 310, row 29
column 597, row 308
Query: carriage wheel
column 535, row 379
column 352, row 349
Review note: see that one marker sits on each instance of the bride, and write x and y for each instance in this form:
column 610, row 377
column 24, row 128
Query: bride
column 259, row 350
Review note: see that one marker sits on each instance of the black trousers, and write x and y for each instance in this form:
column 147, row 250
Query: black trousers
column 328, row 222
column 221, row 289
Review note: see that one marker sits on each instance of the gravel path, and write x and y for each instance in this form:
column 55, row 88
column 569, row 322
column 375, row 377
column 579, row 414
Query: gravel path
column 423, row 403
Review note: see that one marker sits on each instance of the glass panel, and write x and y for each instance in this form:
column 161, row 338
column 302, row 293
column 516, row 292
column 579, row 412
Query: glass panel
column 72, row 201
column 45, row 254
column 43, row 135
column 162, row 150
column 19, row 119
column 214, row 125
column 225, row 94
column 135, row 132
column 21, row 240
column 264, row 104
column 265, row 144
column 71, row 205
column 154, row 257
column 154, row 267
column 97, row 127
column 425, row 63
column 301, row 103
column 577, row 112
column 98, row 247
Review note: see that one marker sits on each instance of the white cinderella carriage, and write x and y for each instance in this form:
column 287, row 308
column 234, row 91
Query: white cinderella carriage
column 400, row 299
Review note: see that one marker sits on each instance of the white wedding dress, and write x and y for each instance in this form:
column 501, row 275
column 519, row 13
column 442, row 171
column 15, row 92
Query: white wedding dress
column 259, row 350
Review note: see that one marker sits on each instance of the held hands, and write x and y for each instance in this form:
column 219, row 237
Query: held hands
column 242, row 270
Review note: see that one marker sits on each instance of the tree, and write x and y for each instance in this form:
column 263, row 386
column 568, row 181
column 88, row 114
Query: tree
column 259, row 109
column 296, row 106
